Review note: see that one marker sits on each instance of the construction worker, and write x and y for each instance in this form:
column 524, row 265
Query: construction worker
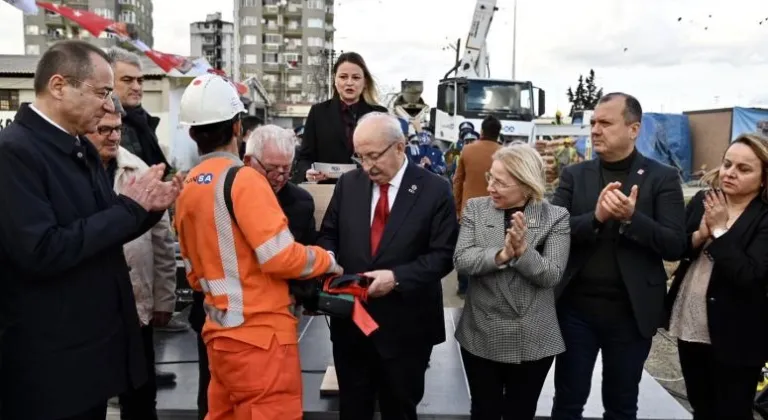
column 238, row 250
column 565, row 155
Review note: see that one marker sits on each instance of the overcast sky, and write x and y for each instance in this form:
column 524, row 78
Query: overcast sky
column 711, row 58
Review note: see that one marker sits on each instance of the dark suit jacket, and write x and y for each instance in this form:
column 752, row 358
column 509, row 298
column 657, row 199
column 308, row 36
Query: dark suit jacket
column 417, row 245
column 71, row 337
column 325, row 138
column 299, row 207
column 737, row 306
column 656, row 231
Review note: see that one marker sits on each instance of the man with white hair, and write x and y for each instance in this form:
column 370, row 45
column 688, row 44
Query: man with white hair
column 270, row 150
column 395, row 222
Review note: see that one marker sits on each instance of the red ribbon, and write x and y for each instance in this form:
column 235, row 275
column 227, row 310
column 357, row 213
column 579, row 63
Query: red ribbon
column 360, row 315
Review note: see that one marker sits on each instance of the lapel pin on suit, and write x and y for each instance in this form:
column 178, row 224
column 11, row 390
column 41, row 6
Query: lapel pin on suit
column 412, row 189
column 640, row 171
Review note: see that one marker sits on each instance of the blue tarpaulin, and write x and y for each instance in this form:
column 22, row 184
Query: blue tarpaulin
column 663, row 137
column 749, row 120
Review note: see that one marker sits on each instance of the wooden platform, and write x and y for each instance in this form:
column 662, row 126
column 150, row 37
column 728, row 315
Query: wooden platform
column 330, row 385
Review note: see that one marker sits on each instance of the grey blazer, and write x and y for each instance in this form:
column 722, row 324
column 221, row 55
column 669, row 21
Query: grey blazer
column 509, row 315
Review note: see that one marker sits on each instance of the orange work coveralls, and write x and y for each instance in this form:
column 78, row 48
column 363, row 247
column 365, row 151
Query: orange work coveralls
column 242, row 267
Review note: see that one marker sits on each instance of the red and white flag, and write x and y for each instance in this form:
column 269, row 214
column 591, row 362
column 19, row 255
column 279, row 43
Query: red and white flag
column 89, row 21
column 27, row 6
column 96, row 24
column 167, row 62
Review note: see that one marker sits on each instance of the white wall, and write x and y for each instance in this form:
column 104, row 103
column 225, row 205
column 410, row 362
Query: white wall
column 6, row 117
column 196, row 45
column 183, row 150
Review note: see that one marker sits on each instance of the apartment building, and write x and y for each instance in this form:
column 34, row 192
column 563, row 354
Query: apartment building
column 214, row 39
column 45, row 28
column 288, row 46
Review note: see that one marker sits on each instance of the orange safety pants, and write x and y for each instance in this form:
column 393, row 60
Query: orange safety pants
column 251, row 383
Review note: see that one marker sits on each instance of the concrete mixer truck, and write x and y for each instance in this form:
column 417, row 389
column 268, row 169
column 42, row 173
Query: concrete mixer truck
column 409, row 105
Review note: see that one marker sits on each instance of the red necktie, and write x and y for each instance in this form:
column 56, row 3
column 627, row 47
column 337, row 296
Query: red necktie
column 380, row 216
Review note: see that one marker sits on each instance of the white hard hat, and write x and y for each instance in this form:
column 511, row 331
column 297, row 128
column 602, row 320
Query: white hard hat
column 209, row 99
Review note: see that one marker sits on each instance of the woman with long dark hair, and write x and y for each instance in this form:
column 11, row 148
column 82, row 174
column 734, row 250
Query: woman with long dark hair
column 330, row 124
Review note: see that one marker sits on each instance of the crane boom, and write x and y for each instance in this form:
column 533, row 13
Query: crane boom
column 471, row 94
column 475, row 60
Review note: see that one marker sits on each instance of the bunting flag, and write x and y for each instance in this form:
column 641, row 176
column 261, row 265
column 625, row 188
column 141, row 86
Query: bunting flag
column 27, row 6
column 89, row 21
column 96, row 25
column 167, row 62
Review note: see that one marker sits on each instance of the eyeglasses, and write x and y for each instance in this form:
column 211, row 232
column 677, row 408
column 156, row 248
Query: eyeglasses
column 274, row 171
column 106, row 94
column 371, row 157
column 106, row 130
column 492, row 181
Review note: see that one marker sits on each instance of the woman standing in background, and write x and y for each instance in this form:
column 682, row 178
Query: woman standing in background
column 330, row 124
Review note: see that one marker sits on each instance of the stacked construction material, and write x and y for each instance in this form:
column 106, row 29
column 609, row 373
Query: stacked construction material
column 546, row 149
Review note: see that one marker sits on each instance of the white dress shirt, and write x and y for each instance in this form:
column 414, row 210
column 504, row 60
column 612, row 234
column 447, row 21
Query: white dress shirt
column 394, row 187
column 53, row 123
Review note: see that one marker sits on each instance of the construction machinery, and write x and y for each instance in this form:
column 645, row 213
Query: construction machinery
column 409, row 105
column 471, row 94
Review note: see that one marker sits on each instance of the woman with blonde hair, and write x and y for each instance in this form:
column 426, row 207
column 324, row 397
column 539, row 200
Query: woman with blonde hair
column 514, row 245
column 717, row 303
column 330, row 124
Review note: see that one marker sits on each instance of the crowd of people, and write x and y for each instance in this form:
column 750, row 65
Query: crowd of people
column 87, row 249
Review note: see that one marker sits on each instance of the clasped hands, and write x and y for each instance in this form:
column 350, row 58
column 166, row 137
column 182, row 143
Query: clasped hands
column 613, row 204
column 715, row 215
column 514, row 240
column 151, row 192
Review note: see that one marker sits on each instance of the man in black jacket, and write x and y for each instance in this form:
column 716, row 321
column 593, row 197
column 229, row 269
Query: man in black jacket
column 270, row 150
column 70, row 329
column 627, row 216
column 139, row 127
column 395, row 222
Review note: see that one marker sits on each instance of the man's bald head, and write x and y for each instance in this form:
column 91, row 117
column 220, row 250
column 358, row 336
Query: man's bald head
column 379, row 146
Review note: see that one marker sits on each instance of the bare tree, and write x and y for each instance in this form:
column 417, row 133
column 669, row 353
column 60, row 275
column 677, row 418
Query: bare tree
column 318, row 76
column 387, row 94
